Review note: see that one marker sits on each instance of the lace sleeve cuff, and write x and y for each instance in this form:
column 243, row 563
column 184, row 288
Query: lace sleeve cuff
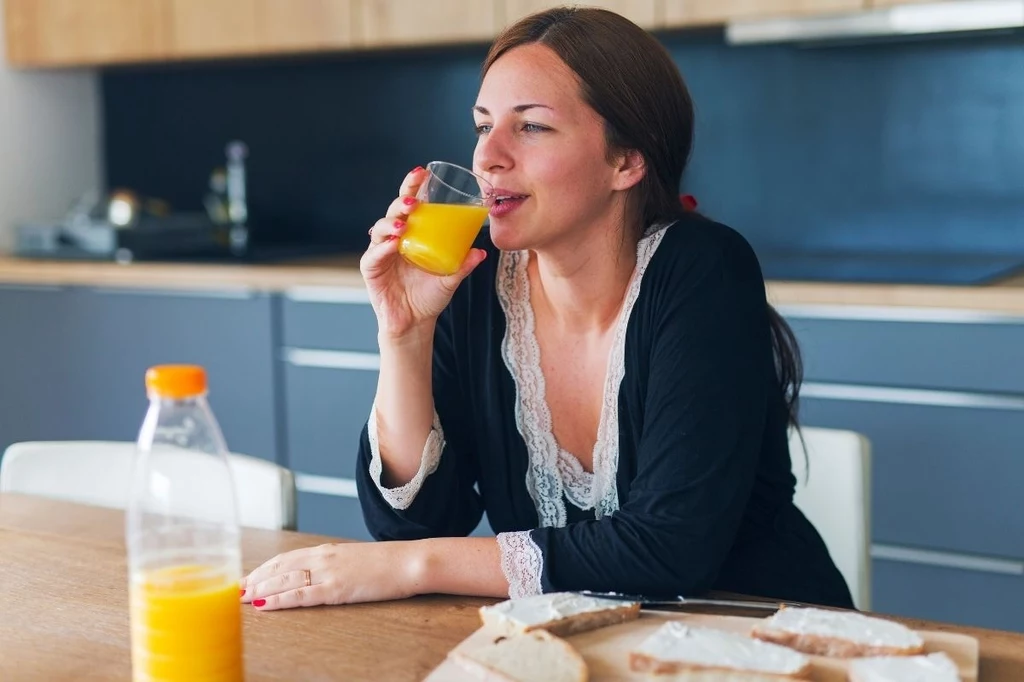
column 521, row 562
column 401, row 497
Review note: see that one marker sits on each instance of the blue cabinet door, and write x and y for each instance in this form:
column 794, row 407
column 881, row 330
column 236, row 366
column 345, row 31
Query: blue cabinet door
column 950, row 594
column 943, row 478
column 38, row 353
column 76, row 361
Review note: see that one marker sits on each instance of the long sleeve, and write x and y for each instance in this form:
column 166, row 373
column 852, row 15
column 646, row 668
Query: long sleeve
column 441, row 500
column 705, row 373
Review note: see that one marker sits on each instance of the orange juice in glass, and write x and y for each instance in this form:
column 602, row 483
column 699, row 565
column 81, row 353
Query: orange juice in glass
column 439, row 233
column 186, row 624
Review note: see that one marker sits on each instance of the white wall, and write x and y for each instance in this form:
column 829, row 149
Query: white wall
column 50, row 147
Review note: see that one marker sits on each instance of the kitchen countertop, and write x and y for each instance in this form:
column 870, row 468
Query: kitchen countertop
column 1004, row 297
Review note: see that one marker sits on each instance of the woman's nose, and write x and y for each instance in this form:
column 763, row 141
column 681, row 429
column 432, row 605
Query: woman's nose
column 492, row 152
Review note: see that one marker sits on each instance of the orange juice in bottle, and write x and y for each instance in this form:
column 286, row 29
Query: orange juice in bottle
column 182, row 534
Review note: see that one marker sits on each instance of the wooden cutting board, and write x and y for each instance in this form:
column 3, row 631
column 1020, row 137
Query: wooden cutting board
column 607, row 650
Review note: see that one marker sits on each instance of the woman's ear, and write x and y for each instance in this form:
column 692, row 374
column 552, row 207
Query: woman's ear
column 629, row 169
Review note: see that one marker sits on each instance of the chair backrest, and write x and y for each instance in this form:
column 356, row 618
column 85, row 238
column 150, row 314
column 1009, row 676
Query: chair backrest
column 835, row 495
column 99, row 473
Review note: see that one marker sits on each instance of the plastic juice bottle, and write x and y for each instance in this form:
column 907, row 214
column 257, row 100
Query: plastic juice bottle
column 182, row 536
column 438, row 236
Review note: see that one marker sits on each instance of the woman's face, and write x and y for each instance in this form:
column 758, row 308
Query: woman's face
column 543, row 149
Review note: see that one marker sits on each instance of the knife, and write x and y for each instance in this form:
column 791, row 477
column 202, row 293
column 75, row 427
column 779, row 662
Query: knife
column 682, row 602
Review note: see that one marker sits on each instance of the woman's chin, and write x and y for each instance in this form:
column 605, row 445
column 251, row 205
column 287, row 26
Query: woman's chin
column 505, row 238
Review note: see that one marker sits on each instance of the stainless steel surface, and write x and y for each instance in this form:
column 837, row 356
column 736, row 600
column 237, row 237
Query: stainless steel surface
column 909, row 396
column 815, row 311
column 928, row 557
column 683, row 602
column 899, row 20
column 328, row 295
column 326, row 485
column 332, row 359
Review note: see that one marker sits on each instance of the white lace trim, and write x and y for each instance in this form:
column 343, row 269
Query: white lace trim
column 521, row 563
column 577, row 481
column 551, row 477
column 401, row 497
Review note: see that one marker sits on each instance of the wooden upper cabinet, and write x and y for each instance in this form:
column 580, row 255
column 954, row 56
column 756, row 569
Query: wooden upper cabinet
column 890, row 3
column 645, row 13
column 73, row 32
column 307, row 25
column 213, row 28
column 692, row 12
column 381, row 23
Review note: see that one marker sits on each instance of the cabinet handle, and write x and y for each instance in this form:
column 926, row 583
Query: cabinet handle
column 929, row 557
column 328, row 295
column 909, row 396
column 43, row 288
column 332, row 359
column 812, row 311
column 234, row 294
column 326, row 485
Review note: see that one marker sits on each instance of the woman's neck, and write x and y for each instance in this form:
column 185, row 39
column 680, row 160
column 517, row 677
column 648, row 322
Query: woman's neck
column 579, row 286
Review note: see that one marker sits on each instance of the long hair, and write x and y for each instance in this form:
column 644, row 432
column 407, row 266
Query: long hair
column 630, row 80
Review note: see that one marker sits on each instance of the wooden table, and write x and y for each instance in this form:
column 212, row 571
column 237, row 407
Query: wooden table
column 64, row 611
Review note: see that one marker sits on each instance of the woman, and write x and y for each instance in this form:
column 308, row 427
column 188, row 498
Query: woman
column 599, row 376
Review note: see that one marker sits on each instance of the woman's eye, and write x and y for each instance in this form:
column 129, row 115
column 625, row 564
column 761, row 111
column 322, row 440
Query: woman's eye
column 482, row 128
column 533, row 128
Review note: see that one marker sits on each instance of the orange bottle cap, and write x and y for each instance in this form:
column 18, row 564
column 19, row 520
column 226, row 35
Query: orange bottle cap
column 176, row 382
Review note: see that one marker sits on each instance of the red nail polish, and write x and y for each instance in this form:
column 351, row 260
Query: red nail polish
column 259, row 602
column 241, row 592
column 417, row 169
column 399, row 223
column 409, row 201
column 391, row 238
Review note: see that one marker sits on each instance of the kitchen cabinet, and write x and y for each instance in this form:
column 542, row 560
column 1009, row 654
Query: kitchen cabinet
column 645, row 13
column 73, row 32
column 86, row 32
column 392, row 23
column 890, row 3
column 937, row 394
column 691, row 12
column 212, row 28
column 201, row 28
column 74, row 360
column 303, row 26
column 981, row 596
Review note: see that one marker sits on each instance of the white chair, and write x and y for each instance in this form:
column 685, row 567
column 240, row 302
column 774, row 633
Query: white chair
column 835, row 495
column 99, row 473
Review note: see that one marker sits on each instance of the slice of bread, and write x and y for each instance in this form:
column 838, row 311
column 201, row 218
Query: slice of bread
column 840, row 634
column 560, row 613
column 697, row 654
column 931, row 668
column 536, row 656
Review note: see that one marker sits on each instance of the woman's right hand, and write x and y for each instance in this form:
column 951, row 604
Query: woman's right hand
column 403, row 296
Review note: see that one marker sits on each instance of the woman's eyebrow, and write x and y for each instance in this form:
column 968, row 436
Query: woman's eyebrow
column 519, row 108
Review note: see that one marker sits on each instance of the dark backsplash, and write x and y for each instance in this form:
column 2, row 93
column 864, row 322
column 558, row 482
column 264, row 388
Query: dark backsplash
column 885, row 147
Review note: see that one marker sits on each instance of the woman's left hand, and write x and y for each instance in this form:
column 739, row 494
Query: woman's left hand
column 342, row 573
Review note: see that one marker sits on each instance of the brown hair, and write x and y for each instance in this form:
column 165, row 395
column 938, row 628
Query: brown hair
column 630, row 80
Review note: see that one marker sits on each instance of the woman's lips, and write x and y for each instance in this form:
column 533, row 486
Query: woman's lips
column 506, row 203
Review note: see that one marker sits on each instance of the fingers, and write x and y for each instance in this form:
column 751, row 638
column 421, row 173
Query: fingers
column 386, row 228
column 296, row 560
column 474, row 258
column 401, row 207
column 290, row 582
column 314, row 595
column 411, row 183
